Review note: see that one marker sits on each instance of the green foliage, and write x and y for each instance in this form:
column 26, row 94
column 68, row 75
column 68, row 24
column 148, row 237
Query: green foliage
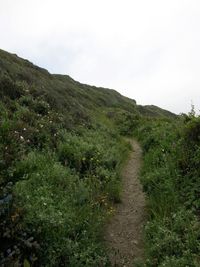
column 173, row 239
column 60, row 159
column 170, row 177
column 125, row 121
column 65, row 200
column 9, row 88
column 192, row 131
column 58, row 183
column 59, row 206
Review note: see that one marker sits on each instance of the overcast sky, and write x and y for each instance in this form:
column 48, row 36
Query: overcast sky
column 148, row 50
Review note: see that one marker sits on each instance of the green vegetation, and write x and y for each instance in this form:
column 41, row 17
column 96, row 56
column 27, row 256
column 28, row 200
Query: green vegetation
column 60, row 160
column 58, row 182
column 61, row 152
column 171, row 180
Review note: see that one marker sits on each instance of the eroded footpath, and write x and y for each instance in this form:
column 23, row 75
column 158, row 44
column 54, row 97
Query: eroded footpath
column 124, row 233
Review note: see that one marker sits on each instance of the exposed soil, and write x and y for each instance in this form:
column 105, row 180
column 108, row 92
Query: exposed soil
column 124, row 233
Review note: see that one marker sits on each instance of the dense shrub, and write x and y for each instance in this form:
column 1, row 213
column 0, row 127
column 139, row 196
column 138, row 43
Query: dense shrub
column 125, row 121
column 9, row 89
column 170, row 177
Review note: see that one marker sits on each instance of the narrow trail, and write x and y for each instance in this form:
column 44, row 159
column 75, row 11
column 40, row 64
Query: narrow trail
column 124, row 233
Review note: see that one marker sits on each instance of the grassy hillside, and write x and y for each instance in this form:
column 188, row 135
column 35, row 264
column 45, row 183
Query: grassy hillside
column 154, row 111
column 61, row 90
column 61, row 151
column 66, row 94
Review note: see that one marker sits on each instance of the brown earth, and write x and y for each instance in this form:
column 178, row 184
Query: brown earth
column 124, row 233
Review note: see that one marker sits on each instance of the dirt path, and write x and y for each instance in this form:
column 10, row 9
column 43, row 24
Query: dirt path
column 124, row 234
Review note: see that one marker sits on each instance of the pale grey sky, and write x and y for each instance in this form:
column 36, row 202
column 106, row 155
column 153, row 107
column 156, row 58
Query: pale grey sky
column 146, row 50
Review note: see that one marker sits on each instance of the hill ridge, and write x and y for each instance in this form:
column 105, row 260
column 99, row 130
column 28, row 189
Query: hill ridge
column 64, row 90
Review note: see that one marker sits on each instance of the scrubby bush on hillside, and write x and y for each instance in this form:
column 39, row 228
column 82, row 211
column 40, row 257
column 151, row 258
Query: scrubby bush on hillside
column 9, row 89
column 125, row 121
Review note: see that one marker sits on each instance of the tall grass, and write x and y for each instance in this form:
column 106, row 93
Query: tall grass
column 170, row 180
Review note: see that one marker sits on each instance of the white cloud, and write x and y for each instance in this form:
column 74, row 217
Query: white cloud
column 147, row 50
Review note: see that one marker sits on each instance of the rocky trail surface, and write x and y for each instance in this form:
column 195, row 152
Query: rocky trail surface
column 124, row 233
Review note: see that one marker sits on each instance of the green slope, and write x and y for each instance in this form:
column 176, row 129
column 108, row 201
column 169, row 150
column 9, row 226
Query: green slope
column 68, row 94
column 62, row 89
column 61, row 152
column 154, row 111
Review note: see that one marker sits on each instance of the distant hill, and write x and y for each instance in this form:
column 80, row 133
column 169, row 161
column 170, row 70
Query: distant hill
column 66, row 94
column 154, row 111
